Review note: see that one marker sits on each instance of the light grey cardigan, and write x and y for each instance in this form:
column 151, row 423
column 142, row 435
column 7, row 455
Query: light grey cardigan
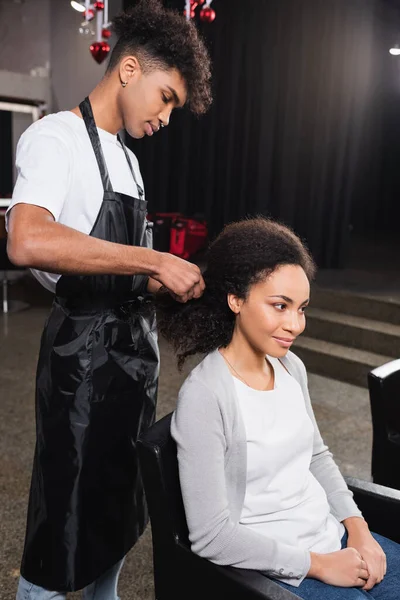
column 211, row 441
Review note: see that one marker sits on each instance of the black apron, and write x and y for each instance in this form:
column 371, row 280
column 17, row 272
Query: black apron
column 96, row 392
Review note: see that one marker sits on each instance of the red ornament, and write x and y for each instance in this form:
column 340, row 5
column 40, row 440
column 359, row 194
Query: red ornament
column 106, row 33
column 200, row 2
column 89, row 14
column 99, row 5
column 192, row 13
column 99, row 51
column 207, row 14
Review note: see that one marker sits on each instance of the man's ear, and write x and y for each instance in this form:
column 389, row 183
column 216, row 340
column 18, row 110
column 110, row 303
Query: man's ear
column 129, row 67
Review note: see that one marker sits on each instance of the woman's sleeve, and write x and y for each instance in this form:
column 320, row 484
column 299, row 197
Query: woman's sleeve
column 323, row 467
column 197, row 427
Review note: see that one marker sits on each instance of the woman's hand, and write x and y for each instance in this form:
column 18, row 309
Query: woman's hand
column 360, row 538
column 344, row 568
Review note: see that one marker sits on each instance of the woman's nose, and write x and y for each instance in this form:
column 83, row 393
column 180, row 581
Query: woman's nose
column 295, row 323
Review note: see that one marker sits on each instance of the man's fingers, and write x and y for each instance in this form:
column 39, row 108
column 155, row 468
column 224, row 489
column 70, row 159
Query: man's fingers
column 198, row 290
column 202, row 284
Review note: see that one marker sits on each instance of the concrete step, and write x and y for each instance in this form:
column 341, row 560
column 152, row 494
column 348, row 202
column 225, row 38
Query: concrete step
column 337, row 361
column 361, row 305
column 354, row 332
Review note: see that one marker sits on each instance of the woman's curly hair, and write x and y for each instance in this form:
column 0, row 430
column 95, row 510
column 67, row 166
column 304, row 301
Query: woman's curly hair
column 244, row 253
column 162, row 38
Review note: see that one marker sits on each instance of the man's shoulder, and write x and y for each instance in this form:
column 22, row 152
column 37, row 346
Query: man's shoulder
column 59, row 126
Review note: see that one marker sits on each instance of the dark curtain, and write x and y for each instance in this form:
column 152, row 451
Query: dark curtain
column 294, row 83
column 6, row 166
column 375, row 203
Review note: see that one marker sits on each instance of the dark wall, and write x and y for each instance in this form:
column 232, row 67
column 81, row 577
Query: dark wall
column 299, row 123
column 6, row 183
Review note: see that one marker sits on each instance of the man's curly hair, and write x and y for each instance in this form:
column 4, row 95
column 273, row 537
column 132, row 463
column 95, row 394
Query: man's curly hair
column 245, row 253
column 162, row 38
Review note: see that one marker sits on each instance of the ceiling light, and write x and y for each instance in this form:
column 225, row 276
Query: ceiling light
column 77, row 6
column 395, row 51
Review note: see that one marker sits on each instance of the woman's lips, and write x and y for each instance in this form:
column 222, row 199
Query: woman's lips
column 284, row 342
column 148, row 129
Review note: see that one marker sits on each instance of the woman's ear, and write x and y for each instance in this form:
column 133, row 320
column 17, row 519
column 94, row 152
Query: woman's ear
column 234, row 303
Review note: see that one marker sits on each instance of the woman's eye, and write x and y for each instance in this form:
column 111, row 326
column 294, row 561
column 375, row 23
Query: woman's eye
column 165, row 99
column 280, row 306
column 303, row 309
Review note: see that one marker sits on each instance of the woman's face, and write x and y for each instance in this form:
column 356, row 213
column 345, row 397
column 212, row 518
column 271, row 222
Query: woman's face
column 272, row 316
column 149, row 98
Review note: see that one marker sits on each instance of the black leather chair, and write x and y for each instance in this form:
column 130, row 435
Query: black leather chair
column 384, row 392
column 181, row 575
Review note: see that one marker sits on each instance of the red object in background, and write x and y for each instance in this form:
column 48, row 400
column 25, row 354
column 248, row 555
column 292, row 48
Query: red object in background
column 99, row 5
column 106, row 33
column 192, row 14
column 89, row 14
column 177, row 234
column 99, row 51
column 188, row 236
column 207, row 14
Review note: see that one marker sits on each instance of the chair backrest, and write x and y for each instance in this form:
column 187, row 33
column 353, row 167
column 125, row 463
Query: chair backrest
column 157, row 451
column 384, row 390
column 159, row 467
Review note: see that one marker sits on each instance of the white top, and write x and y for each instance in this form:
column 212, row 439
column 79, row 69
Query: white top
column 283, row 500
column 57, row 170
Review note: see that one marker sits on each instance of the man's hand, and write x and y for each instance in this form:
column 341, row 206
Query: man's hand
column 153, row 286
column 182, row 279
column 360, row 538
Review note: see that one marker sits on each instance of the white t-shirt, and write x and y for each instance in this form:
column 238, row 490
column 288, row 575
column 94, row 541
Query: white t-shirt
column 283, row 499
column 57, row 170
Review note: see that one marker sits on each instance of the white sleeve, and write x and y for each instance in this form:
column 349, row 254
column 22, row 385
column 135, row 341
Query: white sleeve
column 43, row 171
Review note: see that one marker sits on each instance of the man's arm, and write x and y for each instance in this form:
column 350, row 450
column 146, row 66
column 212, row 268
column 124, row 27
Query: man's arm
column 36, row 240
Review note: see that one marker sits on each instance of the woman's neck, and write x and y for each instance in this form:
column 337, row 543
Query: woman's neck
column 251, row 366
column 244, row 356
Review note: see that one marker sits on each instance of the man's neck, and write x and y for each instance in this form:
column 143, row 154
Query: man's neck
column 105, row 107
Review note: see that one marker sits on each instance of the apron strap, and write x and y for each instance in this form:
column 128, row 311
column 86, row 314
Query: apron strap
column 128, row 158
column 87, row 114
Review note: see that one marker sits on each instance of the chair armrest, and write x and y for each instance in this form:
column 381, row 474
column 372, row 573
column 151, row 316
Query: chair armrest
column 227, row 582
column 379, row 505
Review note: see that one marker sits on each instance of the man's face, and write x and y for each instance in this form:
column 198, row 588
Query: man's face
column 148, row 100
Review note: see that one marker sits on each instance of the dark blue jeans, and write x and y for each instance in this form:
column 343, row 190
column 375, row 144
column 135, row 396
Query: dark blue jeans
column 388, row 589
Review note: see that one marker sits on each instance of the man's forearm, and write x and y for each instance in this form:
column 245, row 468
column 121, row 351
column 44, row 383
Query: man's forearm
column 50, row 246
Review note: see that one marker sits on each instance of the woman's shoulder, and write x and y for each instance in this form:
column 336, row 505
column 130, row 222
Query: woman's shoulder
column 205, row 375
column 207, row 384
